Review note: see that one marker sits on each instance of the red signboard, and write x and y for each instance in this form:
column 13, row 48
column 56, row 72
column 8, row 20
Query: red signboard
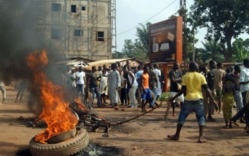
column 166, row 41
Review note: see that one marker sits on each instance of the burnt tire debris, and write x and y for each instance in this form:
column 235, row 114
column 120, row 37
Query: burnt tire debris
column 91, row 121
column 65, row 148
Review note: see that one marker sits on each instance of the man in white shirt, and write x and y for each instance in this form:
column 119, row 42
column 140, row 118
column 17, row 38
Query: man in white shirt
column 244, row 80
column 133, row 88
column 80, row 81
column 114, row 83
column 158, row 77
column 244, row 88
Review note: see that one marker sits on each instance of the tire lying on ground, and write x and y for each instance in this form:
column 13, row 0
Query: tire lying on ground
column 65, row 148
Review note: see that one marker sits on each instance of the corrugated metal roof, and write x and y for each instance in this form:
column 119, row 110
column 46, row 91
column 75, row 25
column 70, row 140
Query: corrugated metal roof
column 108, row 63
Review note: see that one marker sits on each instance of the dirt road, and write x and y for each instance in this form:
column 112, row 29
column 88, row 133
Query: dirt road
column 144, row 136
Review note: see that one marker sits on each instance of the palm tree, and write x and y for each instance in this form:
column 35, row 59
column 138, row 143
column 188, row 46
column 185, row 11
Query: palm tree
column 211, row 51
column 241, row 49
column 143, row 36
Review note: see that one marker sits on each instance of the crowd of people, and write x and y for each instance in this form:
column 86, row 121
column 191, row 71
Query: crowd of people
column 204, row 90
column 201, row 89
column 123, row 85
column 20, row 86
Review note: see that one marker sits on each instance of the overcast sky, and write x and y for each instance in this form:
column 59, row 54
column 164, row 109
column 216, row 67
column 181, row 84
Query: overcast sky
column 132, row 12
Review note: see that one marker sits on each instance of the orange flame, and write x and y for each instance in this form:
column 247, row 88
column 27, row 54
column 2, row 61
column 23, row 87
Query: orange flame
column 56, row 112
column 80, row 105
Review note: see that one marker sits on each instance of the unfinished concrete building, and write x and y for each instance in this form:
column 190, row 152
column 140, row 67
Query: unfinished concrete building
column 78, row 28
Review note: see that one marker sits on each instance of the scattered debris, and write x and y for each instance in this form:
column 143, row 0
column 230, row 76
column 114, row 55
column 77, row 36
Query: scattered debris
column 91, row 121
column 116, row 108
column 20, row 118
column 105, row 135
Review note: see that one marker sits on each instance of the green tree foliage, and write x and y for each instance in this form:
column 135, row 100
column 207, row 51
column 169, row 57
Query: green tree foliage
column 140, row 52
column 211, row 51
column 224, row 19
column 128, row 49
column 137, row 49
column 241, row 49
column 132, row 50
column 144, row 37
column 117, row 55
column 126, row 52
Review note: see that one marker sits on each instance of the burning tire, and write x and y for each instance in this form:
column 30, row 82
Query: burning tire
column 65, row 148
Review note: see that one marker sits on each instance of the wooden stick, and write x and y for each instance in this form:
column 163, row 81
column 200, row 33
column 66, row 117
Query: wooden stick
column 115, row 124
column 167, row 110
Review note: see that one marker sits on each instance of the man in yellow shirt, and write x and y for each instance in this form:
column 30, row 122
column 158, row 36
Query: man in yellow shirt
column 192, row 85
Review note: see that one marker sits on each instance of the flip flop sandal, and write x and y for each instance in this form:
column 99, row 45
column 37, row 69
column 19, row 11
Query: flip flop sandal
column 173, row 137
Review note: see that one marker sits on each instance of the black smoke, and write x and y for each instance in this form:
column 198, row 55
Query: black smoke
column 18, row 21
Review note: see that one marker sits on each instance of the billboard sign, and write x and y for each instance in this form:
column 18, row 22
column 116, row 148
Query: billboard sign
column 166, row 41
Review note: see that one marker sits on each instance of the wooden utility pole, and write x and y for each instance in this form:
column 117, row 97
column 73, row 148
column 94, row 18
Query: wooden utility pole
column 183, row 7
column 182, row 4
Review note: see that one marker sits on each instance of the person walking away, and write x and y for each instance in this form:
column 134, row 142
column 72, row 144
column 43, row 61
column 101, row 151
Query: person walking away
column 114, row 82
column 175, row 76
column 21, row 87
column 3, row 90
column 192, row 85
column 94, row 80
column 228, row 92
column 219, row 74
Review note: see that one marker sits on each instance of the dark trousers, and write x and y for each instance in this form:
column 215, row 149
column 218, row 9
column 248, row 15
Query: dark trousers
column 123, row 95
column 95, row 90
column 243, row 111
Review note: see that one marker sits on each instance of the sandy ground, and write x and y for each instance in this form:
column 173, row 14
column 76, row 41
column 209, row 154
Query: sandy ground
column 144, row 136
